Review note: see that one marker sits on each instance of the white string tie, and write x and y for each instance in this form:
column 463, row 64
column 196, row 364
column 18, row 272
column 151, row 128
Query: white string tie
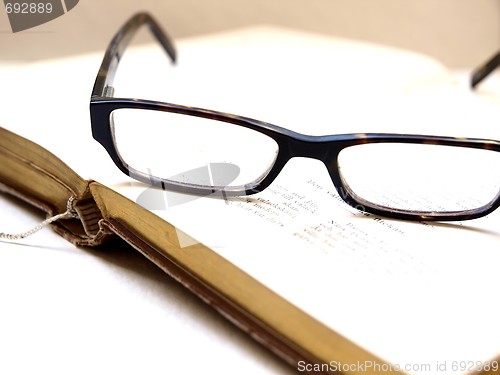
column 68, row 214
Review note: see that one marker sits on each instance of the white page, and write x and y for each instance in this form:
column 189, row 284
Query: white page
column 375, row 292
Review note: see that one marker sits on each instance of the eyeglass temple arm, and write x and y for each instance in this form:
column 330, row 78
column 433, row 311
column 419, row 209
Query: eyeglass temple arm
column 480, row 73
column 104, row 82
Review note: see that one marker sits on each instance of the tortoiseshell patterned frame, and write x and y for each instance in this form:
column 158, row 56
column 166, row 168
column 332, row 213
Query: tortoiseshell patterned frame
column 291, row 144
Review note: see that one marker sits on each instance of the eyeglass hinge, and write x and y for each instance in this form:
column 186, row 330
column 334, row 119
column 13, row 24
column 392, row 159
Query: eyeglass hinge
column 109, row 91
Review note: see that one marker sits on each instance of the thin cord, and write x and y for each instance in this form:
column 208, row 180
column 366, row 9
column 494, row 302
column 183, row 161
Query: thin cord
column 68, row 214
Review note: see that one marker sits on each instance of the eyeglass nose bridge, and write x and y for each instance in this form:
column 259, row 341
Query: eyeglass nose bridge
column 314, row 147
column 324, row 149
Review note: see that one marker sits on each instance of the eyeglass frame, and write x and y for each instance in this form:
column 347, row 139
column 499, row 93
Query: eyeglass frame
column 290, row 144
column 484, row 70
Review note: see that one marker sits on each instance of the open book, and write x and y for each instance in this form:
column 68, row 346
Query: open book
column 324, row 286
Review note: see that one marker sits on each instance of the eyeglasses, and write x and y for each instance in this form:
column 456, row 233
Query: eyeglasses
column 199, row 151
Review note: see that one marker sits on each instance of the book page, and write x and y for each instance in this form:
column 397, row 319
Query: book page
column 416, row 294
column 417, row 285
